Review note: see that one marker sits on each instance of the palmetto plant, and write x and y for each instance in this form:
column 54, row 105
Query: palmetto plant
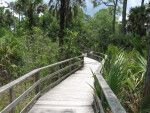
column 29, row 9
column 136, row 71
column 124, row 74
column 115, row 76
column 71, row 8
column 137, row 19
column 135, row 82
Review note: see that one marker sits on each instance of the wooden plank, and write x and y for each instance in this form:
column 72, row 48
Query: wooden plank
column 50, row 86
column 95, row 55
column 11, row 91
column 17, row 81
column 111, row 98
column 72, row 93
column 95, row 106
column 37, row 77
column 59, row 80
column 36, row 84
column 99, row 103
column 57, row 72
column 13, row 83
column 59, row 63
column 24, row 110
column 71, row 109
column 13, row 104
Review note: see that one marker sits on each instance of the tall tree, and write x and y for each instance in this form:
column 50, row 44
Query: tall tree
column 62, row 22
column 113, row 3
column 142, row 2
column 124, row 16
column 29, row 9
column 64, row 9
column 8, row 17
column 1, row 16
column 16, row 6
column 137, row 19
column 147, row 82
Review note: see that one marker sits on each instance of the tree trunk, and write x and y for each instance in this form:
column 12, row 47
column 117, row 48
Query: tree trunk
column 67, row 12
column 114, row 17
column 147, row 82
column 124, row 16
column 31, row 22
column 30, row 16
column 19, row 18
column 142, row 3
column 62, row 25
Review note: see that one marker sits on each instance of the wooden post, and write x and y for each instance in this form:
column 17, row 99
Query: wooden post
column 83, row 61
column 70, row 69
column 59, row 67
column 147, row 82
column 37, row 77
column 102, row 98
column 11, row 91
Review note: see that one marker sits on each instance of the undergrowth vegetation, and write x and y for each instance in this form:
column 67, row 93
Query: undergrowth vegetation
column 36, row 38
column 124, row 72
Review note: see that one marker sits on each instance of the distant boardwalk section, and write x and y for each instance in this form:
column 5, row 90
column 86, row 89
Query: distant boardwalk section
column 73, row 95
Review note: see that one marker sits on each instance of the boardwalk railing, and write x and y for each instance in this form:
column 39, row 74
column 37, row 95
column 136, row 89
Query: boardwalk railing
column 106, row 92
column 73, row 65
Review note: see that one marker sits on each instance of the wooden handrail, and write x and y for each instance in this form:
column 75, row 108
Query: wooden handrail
column 111, row 98
column 36, row 85
column 17, row 81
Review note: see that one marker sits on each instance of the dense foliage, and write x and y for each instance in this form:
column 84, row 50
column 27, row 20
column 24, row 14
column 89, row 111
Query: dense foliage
column 32, row 40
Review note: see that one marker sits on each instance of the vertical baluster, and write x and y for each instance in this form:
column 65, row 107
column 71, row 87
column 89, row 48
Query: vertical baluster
column 70, row 62
column 11, row 91
column 102, row 98
column 83, row 61
column 37, row 77
column 59, row 67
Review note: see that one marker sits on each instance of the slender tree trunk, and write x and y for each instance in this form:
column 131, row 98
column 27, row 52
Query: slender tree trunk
column 124, row 16
column 67, row 12
column 31, row 18
column 19, row 18
column 114, row 17
column 62, row 22
column 14, row 21
column 142, row 3
column 30, row 22
column 62, row 25
column 147, row 82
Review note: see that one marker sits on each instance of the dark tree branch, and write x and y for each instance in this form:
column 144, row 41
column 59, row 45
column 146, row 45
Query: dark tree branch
column 105, row 3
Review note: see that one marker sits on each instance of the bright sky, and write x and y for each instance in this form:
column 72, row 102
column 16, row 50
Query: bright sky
column 90, row 10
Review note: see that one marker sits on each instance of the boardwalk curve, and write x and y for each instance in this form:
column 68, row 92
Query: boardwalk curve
column 73, row 95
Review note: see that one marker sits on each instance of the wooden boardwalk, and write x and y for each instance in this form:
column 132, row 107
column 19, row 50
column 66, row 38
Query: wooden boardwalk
column 73, row 95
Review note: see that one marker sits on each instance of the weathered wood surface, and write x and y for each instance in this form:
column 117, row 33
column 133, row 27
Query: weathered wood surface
column 36, row 85
column 111, row 98
column 73, row 95
column 19, row 80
